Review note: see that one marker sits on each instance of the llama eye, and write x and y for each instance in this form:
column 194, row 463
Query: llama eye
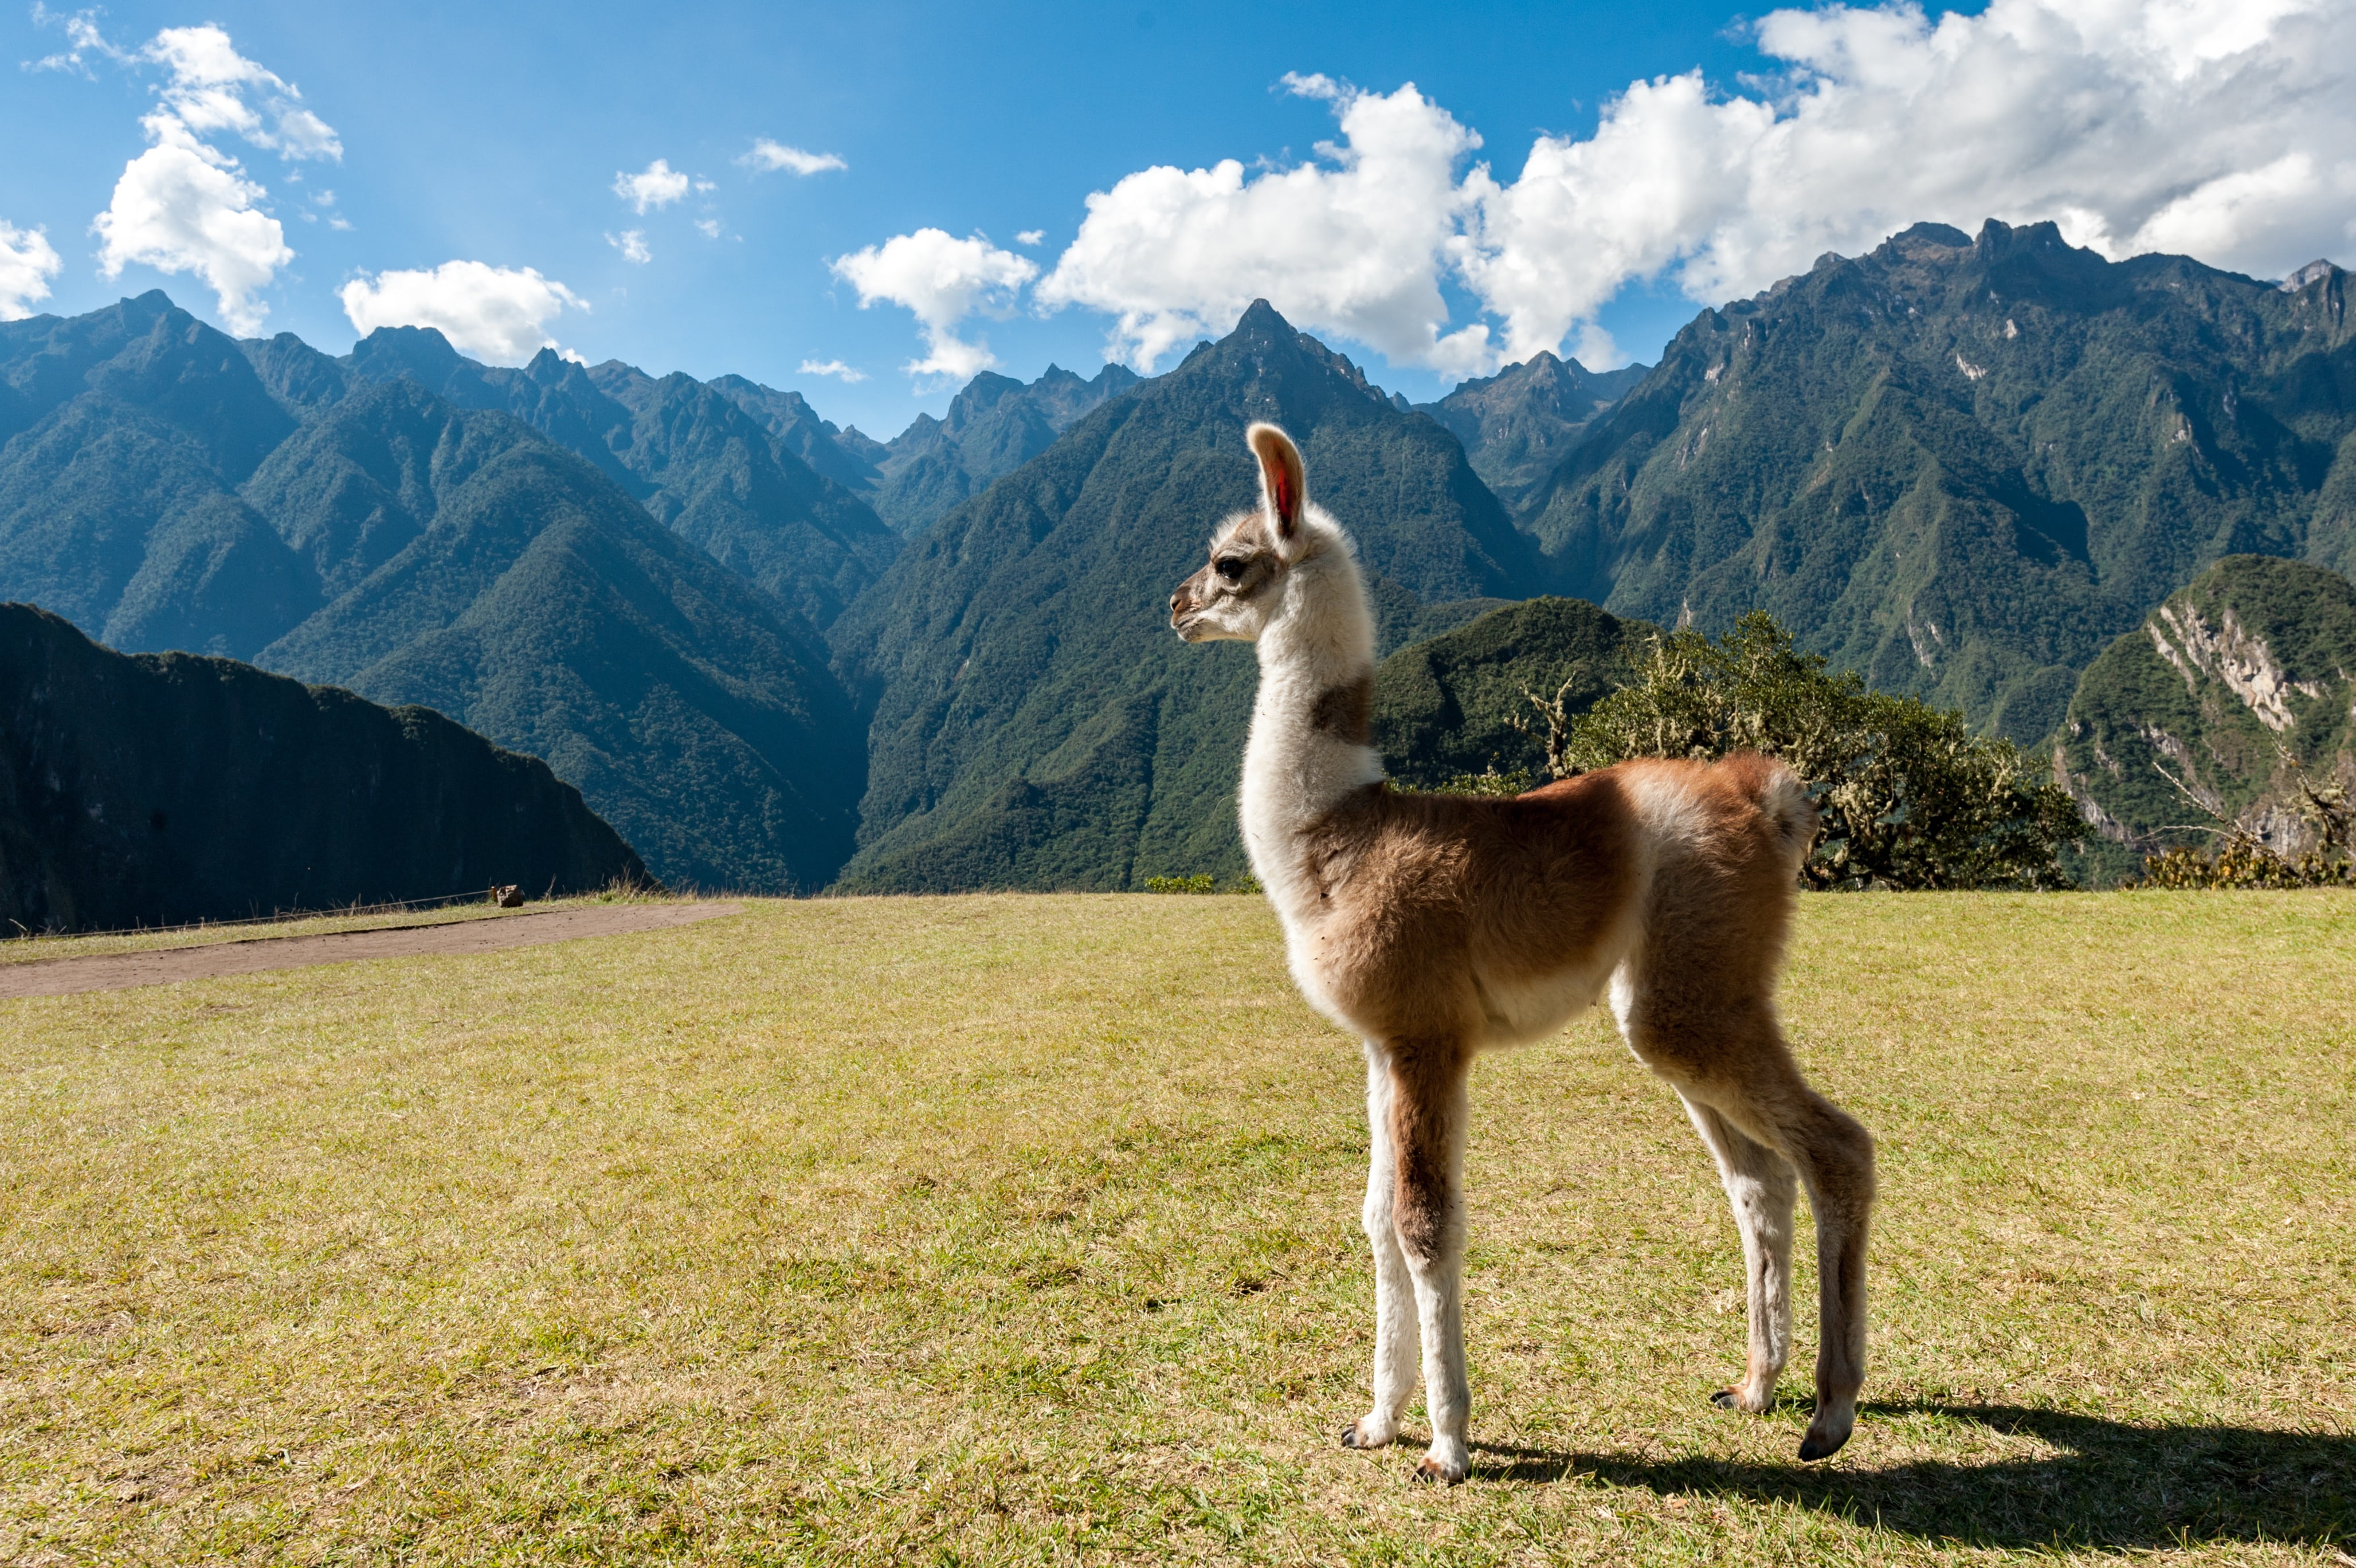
column 1230, row 569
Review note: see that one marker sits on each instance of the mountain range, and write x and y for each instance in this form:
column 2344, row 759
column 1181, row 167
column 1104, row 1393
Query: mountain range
column 1518, row 425
column 165, row 486
column 1961, row 464
column 777, row 653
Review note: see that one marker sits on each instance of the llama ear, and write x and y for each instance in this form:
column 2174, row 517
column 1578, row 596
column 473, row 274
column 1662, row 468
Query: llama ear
column 1283, row 487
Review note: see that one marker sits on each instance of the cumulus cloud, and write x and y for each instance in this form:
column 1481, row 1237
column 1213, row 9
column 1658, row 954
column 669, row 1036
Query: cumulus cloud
column 27, row 262
column 632, row 243
column 710, row 227
column 496, row 314
column 769, row 156
column 1031, row 237
column 835, row 368
column 656, row 186
column 2222, row 128
column 210, row 87
column 184, row 205
column 942, row 280
column 1352, row 243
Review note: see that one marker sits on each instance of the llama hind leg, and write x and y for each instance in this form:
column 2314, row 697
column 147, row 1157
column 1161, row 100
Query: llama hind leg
column 1760, row 1186
column 1834, row 1154
column 1395, row 1309
column 1428, row 1111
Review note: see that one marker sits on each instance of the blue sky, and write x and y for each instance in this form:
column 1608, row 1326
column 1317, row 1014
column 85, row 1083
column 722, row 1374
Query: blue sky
column 494, row 134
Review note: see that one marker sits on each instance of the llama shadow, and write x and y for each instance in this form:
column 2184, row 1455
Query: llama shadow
column 2116, row 1487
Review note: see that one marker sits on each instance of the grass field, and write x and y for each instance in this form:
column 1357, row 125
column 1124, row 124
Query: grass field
column 1024, row 1229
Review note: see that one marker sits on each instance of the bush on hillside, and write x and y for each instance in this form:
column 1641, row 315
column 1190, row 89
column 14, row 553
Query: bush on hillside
column 2240, row 859
column 1910, row 797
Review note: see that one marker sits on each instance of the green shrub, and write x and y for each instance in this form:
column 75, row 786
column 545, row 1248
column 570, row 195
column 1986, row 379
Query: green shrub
column 2240, row 860
column 1203, row 884
column 1910, row 797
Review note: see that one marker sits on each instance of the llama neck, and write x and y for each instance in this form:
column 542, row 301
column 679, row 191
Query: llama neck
column 1308, row 749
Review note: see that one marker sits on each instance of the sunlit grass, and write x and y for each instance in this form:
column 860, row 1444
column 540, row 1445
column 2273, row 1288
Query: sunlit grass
column 1019, row 1228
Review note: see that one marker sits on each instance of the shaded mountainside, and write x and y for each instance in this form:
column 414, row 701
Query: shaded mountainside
column 158, row 788
column 1036, row 724
column 1460, row 703
column 994, row 425
column 1962, row 467
column 2255, row 659
column 164, row 487
column 1518, row 425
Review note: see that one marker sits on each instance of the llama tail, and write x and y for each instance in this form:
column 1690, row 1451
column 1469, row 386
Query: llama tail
column 1783, row 800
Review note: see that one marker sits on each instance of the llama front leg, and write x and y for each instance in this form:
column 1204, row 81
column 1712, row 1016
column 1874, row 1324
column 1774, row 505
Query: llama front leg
column 1395, row 1309
column 1760, row 1187
column 1428, row 1111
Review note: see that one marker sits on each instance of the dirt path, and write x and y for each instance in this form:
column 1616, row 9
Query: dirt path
column 117, row 972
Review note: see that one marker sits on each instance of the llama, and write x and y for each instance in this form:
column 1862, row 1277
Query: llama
column 1437, row 926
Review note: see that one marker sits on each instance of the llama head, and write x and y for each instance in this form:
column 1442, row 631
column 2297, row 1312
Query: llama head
column 1252, row 552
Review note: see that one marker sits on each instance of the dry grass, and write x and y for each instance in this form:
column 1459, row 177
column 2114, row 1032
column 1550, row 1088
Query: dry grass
column 993, row 1229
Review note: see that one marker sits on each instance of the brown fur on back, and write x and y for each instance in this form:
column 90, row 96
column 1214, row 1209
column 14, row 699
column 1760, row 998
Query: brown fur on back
column 1428, row 901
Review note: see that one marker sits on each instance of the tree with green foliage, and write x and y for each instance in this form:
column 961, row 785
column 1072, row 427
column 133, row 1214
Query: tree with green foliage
column 1910, row 797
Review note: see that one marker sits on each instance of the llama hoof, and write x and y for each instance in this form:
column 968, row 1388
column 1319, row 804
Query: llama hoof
column 1735, row 1398
column 1363, row 1433
column 1438, row 1473
column 1824, row 1438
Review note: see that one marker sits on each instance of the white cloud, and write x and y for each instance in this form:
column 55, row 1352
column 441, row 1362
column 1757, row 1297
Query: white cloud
column 1031, row 237
column 833, row 368
column 82, row 38
column 27, row 262
column 1351, row 244
column 2224, row 128
column 184, row 205
column 942, row 279
column 632, row 243
column 657, row 186
column 214, row 88
column 710, row 225
column 770, row 156
column 496, row 314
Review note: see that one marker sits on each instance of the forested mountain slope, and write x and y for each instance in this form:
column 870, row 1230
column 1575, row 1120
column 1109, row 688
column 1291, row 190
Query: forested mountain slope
column 2207, row 713
column 1963, row 465
column 124, row 436
column 1461, row 703
column 689, row 451
column 994, row 425
column 1036, row 724
column 1518, row 425
column 158, row 788
column 165, row 486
